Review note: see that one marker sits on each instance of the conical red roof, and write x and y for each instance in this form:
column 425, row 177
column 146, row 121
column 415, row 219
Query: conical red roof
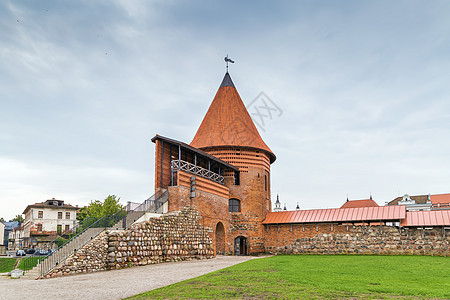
column 228, row 123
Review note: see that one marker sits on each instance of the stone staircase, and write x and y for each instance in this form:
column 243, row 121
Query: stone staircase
column 62, row 253
column 32, row 274
column 129, row 219
column 152, row 204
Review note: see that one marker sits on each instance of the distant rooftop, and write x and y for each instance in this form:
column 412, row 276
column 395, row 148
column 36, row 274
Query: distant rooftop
column 359, row 203
column 52, row 203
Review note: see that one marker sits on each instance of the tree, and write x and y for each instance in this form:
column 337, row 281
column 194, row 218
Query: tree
column 82, row 213
column 98, row 209
column 2, row 220
column 19, row 219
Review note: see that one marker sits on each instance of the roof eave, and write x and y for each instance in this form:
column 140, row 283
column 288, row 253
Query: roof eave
column 193, row 149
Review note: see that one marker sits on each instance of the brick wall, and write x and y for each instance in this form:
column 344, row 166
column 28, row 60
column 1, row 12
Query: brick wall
column 254, row 194
column 202, row 184
column 343, row 239
column 212, row 208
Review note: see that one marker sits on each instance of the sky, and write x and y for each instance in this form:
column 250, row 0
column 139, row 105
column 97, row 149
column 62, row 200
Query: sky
column 362, row 89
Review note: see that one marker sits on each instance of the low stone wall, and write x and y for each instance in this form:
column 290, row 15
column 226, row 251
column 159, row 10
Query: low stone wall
column 342, row 239
column 92, row 257
column 169, row 238
column 172, row 237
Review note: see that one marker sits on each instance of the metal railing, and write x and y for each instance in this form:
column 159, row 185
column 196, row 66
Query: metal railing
column 29, row 262
column 196, row 170
column 89, row 229
column 77, row 241
column 153, row 204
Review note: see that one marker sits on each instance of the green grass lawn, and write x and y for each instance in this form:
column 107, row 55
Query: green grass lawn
column 319, row 277
column 7, row 264
column 29, row 262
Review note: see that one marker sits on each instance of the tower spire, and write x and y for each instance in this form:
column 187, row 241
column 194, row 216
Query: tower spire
column 277, row 204
column 227, row 123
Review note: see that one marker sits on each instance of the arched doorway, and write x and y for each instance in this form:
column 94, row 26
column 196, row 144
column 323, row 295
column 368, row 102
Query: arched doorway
column 220, row 238
column 240, row 245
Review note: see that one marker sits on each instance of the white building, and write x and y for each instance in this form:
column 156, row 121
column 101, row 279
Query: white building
column 45, row 221
column 16, row 238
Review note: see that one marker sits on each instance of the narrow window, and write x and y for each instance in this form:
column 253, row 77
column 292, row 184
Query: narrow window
column 265, row 182
column 59, row 214
column 67, row 228
column 67, row 215
column 237, row 180
column 40, row 214
column 59, row 229
column 234, row 205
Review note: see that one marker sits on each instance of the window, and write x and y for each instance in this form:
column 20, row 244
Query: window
column 59, row 214
column 67, row 215
column 59, row 229
column 265, row 182
column 39, row 227
column 236, row 178
column 234, row 205
column 40, row 214
column 67, row 228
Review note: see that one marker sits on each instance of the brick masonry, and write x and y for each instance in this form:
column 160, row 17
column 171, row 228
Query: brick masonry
column 343, row 239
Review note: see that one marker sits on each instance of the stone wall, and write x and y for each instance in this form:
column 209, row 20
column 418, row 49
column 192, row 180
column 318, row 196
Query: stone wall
column 172, row 237
column 212, row 208
column 92, row 257
column 343, row 239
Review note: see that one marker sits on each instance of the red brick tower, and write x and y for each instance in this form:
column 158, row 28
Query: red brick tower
column 228, row 133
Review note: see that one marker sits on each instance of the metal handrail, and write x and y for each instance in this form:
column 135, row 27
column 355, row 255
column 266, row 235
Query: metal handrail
column 48, row 257
column 30, row 260
column 150, row 204
column 50, row 261
column 196, row 170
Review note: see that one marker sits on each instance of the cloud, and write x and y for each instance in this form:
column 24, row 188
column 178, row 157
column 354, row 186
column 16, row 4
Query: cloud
column 85, row 85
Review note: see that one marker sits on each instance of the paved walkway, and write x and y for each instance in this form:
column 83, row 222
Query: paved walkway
column 116, row 284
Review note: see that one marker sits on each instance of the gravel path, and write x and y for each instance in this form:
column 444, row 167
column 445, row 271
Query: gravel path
column 116, row 284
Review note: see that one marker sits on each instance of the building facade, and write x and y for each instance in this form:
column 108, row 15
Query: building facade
column 16, row 238
column 2, row 238
column 45, row 221
column 423, row 202
column 224, row 173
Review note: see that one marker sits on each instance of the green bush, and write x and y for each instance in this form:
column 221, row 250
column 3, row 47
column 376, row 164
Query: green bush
column 60, row 241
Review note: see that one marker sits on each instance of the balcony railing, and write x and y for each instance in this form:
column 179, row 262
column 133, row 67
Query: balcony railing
column 196, row 170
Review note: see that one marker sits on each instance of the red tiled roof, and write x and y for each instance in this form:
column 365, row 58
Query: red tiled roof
column 427, row 218
column 228, row 123
column 380, row 213
column 359, row 203
column 442, row 198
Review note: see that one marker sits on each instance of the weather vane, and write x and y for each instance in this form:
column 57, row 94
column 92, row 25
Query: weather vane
column 227, row 60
